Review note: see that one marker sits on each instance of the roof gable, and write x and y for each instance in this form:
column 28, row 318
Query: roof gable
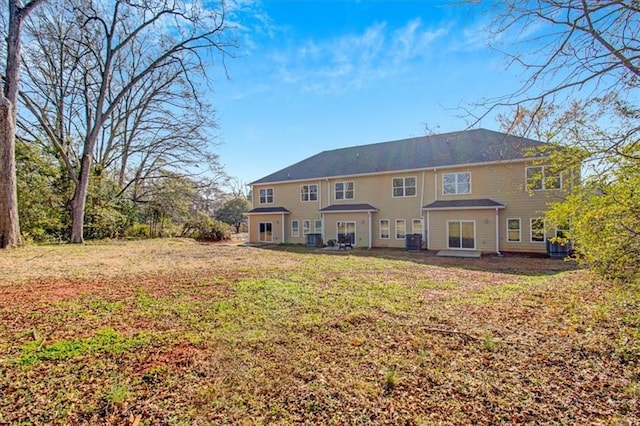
column 448, row 149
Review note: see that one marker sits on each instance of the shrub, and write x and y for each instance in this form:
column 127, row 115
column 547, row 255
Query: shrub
column 202, row 227
column 138, row 230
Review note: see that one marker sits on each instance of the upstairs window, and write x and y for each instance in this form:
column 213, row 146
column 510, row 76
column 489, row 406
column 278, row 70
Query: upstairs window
column 308, row 192
column 542, row 177
column 344, row 191
column 456, row 183
column 404, row 186
column 266, row 195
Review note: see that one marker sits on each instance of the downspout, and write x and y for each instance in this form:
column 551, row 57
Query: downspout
column 319, row 207
column 284, row 238
column 428, row 233
column 421, row 205
column 370, row 230
column 435, row 184
column 497, row 234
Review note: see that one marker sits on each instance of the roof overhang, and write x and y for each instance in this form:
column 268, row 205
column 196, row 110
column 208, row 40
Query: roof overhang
column 348, row 208
column 479, row 204
column 268, row 210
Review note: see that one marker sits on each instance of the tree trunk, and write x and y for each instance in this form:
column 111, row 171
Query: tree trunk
column 9, row 223
column 79, row 200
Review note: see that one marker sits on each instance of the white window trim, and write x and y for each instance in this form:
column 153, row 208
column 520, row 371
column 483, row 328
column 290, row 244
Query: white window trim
column 519, row 230
column 317, row 229
column 404, row 221
column 475, row 235
column 544, row 230
column 265, row 191
column 388, row 237
column 344, row 190
column 404, row 187
column 456, row 184
column 308, row 193
column 544, row 178
column 260, row 233
column 295, row 233
column 306, row 227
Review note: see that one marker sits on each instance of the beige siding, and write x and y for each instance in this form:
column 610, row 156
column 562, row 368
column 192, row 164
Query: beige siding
column 504, row 183
column 484, row 223
column 361, row 221
column 276, row 221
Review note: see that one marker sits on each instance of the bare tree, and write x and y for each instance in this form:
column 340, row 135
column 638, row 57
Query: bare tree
column 124, row 54
column 9, row 223
column 581, row 61
column 565, row 47
column 238, row 188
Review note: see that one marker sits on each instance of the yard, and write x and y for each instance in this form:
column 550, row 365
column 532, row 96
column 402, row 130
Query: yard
column 177, row 332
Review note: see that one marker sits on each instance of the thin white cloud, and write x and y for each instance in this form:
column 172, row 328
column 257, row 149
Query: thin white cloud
column 336, row 64
column 358, row 60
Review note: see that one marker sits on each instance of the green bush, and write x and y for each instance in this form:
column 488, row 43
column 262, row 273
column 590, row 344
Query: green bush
column 202, row 227
column 104, row 222
column 138, row 230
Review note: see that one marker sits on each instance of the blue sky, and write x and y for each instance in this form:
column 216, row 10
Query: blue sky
column 316, row 75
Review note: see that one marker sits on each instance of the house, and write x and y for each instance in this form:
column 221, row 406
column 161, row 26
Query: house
column 475, row 190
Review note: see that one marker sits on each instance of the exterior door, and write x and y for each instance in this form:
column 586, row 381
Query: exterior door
column 348, row 230
column 461, row 234
column 266, row 232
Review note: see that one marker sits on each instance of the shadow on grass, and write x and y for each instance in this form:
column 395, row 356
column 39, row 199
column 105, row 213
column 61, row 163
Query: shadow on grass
column 515, row 264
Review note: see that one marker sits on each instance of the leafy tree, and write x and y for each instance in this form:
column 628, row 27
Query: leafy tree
column 232, row 211
column 581, row 66
column 605, row 222
column 41, row 194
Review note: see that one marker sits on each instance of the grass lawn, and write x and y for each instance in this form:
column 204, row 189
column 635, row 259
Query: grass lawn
column 177, row 332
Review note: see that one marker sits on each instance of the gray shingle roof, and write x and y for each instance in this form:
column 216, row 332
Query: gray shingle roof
column 267, row 210
column 447, row 149
column 463, row 204
column 348, row 208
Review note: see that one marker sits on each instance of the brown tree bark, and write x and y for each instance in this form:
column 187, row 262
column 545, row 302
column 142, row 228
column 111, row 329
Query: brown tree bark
column 9, row 222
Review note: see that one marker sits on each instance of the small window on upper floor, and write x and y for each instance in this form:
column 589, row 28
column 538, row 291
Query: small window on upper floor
column 344, row 191
column 542, row 177
column 456, row 183
column 309, row 192
column 266, row 195
column 404, row 186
